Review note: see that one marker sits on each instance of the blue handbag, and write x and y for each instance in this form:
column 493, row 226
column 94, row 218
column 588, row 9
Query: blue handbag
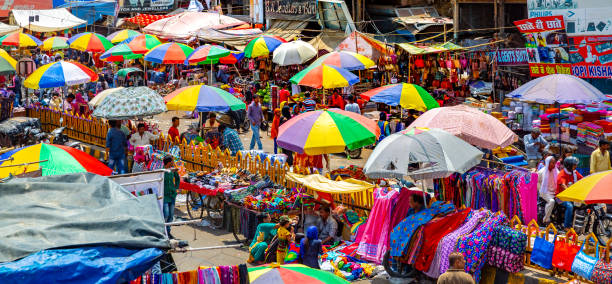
column 542, row 251
column 584, row 264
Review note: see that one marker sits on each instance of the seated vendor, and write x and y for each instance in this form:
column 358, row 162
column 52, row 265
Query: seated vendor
column 264, row 234
column 329, row 231
column 417, row 203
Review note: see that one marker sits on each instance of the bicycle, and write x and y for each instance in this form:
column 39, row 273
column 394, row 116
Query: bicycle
column 213, row 205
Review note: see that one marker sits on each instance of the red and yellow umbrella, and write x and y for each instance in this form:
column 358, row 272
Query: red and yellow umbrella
column 20, row 39
column 51, row 160
column 90, row 42
column 594, row 188
column 122, row 35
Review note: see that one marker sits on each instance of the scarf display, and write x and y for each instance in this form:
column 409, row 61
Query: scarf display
column 236, row 274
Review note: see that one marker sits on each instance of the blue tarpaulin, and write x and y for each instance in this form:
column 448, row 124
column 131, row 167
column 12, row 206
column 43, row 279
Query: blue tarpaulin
column 91, row 11
column 80, row 265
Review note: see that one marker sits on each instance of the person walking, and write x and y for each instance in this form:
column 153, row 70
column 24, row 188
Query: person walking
column 534, row 145
column 116, row 147
column 173, row 132
column 274, row 128
column 352, row 106
column 171, row 184
column 255, row 115
column 600, row 158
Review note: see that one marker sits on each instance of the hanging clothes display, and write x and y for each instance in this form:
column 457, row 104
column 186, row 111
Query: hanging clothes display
column 514, row 192
column 236, row 274
column 374, row 241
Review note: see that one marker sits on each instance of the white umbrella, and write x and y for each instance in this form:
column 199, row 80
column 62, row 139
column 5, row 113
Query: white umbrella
column 101, row 95
column 292, row 53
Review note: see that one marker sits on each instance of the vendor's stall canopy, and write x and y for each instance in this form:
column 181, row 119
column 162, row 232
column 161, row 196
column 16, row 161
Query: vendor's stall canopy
column 235, row 38
column 184, row 26
column 417, row 19
column 92, row 11
column 320, row 183
column 423, row 49
column 51, row 20
column 7, row 29
column 365, row 45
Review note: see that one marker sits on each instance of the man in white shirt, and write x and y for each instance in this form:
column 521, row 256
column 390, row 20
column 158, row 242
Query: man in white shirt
column 142, row 137
column 352, row 106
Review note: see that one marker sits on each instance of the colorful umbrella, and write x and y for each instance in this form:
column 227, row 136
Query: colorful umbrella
column 324, row 76
column 89, row 41
column 7, row 63
column 125, row 71
column 123, row 50
column 292, row 53
column 54, row 160
column 169, row 53
column 292, row 274
column 130, row 103
column 207, row 52
column 408, row 96
column 20, row 39
column 233, row 58
column 122, row 35
column 470, row 124
column 59, row 74
column 558, row 88
column 591, row 189
column 262, row 46
column 101, row 95
column 421, row 153
column 327, row 131
column 54, row 43
column 345, row 59
column 144, row 42
column 202, row 98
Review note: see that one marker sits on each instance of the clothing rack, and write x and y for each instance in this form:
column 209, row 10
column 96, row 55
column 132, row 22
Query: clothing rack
column 236, row 274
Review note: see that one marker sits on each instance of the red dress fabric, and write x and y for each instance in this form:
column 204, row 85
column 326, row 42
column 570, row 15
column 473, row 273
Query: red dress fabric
column 433, row 232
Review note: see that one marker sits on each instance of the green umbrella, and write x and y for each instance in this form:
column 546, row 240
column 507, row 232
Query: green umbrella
column 6, row 67
column 125, row 71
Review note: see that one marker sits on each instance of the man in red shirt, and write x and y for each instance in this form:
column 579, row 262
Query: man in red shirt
column 568, row 176
column 283, row 94
column 337, row 100
column 173, row 132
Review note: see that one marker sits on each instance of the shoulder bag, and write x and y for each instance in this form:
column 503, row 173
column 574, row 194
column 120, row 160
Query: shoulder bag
column 584, row 264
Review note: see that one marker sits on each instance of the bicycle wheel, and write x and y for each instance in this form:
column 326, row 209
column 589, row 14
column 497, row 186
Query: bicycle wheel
column 214, row 211
column 395, row 268
column 195, row 205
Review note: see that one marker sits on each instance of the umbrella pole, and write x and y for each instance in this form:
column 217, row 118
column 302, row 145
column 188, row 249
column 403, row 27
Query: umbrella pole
column 239, row 76
column 145, row 73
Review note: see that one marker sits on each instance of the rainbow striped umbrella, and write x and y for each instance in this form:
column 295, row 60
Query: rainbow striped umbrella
column 202, row 98
column 122, row 50
column 122, row 35
column 408, row 96
column 324, row 76
column 54, row 43
column 59, row 74
column 233, row 58
column 169, row 53
column 7, row 63
column 20, row 39
column 591, row 189
column 327, row 131
column 54, row 160
column 143, row 42
column 89, row 41
column 207, row 52
column 262, row 45
column 345, row 59
column 291, row 274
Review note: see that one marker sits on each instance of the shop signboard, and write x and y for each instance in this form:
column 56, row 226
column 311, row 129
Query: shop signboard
column 582, row 17
column 145, row 6
column 591, row 56
column 8, row 5
column 511, row 57
column 291, row 9
column 546, row 45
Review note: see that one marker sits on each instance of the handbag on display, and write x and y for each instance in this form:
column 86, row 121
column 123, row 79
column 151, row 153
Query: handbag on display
column 542, row 251
column 504, row 259
column 602, row 273
column 510, row 239
column 584, row 264
column 565, row 251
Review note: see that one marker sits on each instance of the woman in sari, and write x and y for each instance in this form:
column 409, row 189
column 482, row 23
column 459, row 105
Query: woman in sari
column 264, row 234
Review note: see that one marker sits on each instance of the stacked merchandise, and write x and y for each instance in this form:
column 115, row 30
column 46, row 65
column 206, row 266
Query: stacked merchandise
column 507, row 249
column 278, row 201
column 281, row 158
column 236, row 274
column 343, row 262
column 589, row 133
column 238, row 195
column 351, row 171
column 216, row 181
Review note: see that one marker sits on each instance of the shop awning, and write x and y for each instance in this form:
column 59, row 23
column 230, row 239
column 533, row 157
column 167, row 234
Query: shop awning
column 422, row 49
column 320, row 183
column 327, row 40
column 236, row 38
column 51, row 20
column 360, row 43
column 7, row 29
column 185, row 25
column 286, row 29
column 92, row 11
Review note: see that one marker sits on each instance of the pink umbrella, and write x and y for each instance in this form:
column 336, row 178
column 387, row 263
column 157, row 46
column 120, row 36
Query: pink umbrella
column 186, row 24
column 470, row 124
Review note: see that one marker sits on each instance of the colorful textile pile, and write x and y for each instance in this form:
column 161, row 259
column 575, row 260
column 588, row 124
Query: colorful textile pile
column 507, row 249
column 144, row 20
column 374, row 241
column 351, row 171
column 237, row 274
column 274, row 200
column 514, row 192
column 341, row 261
column 589, row 133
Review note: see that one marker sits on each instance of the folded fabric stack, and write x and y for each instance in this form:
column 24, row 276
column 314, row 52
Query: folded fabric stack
column 590, row 133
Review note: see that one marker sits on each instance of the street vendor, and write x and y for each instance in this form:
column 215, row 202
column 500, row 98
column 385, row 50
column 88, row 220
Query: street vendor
column 142, row 137
column 329, row 232
column 264, row 234
column 534, row 145
column 285, row 237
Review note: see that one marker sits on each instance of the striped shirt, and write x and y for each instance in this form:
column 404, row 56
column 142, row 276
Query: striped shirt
column 309, row 104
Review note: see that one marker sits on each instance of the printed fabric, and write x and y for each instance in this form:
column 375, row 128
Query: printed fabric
column 474, row 246
column 602, row 273
column 374, row 241
column 402, row 233
column 447, row 245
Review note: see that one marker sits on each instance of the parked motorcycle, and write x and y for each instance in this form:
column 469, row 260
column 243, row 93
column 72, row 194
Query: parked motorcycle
column 593, row 218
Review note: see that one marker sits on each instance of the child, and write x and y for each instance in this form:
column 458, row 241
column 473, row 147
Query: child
column 310, row 248
column 284, row 235
column 171, row 183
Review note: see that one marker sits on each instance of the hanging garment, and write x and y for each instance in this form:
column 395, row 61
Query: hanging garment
column 402, row 206
column 402, row 233
column 374, row 241
column 434, row 231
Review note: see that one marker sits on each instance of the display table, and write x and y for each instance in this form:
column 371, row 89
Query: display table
column 198, row 189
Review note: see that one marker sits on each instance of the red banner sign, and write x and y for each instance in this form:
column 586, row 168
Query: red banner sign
column 540, row 24
column 591, row 56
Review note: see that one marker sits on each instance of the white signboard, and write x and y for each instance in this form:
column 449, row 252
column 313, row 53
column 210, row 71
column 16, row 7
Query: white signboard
column 582, row 17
